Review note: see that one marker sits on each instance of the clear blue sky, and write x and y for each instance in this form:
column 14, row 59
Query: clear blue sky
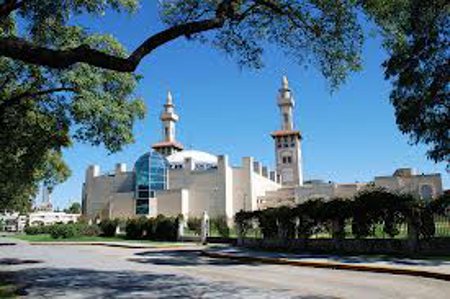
column 347, row 136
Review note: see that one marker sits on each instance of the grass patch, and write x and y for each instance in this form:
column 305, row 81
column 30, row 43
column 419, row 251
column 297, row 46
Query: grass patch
column 48, row 238
column 7, row 288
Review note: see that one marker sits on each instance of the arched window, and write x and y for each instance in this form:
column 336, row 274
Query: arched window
column 151, row 175
column 426, row 192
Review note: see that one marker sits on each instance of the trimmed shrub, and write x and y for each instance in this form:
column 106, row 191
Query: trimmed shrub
column 166, row 228
column 195, row 224
column 108, row 227
column 64, row 231
column 89, row 230
column 37, row 230
column 150, row 228
column 244, row 222
column 221, row 226
column 135, row 228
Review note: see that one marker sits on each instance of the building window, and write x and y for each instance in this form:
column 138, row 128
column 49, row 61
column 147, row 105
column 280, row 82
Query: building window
column 150, row 176
column 142, row 207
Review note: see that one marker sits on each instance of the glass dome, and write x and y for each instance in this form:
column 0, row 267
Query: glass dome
column 151, row 175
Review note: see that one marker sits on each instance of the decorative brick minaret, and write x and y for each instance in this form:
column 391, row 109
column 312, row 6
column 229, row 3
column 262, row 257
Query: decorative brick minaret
column 288, row 140
column 169, row 118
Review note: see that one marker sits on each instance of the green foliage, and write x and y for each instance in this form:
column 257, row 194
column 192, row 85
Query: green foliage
column 166, row 228
column 372, row 207
column 89, row 230
column 244, row 221
column 37, row 230
column 64, row 231
column 334, row 215
column 160, row 228
column 43, row 111
column 195, row 224
column 322, row 33
column 108, row 227
column 308, row 214
column 417, row 38
column 369, row 212
column 220, row 225
column 75, row 208
column 135, row 228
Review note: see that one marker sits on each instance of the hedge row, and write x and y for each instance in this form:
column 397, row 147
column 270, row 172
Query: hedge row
column 160, row 228
column 365, row 212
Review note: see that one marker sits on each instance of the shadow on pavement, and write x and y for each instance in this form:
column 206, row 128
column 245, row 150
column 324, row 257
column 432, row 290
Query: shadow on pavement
column 12, row 261
column 346, row 259
column 180, row 258
column 84, row 283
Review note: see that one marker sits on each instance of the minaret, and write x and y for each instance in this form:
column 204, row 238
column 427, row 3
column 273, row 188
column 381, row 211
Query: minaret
column 169, row 118
column 288, row 140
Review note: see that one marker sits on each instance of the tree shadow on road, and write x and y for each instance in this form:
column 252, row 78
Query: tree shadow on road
column 14, row 261
column 84, row 283
column 180, row 258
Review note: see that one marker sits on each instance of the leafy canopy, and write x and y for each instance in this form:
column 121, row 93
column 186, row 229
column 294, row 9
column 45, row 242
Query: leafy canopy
column 62, row 83
column 44, row 110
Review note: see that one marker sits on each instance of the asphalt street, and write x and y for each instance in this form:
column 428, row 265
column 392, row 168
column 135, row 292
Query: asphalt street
column 104, row 272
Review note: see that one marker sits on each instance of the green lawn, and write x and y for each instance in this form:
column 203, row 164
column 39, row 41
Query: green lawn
column 7, row 289
column 48, row 238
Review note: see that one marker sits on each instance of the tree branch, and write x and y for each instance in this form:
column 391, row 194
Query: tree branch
column 20, row 49
column 9, row 6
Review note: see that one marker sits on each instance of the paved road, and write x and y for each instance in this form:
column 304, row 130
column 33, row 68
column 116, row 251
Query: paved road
column 102, row 272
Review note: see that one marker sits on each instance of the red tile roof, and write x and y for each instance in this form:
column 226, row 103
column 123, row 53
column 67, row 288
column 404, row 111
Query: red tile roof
column 167, row 144
column 285, row 133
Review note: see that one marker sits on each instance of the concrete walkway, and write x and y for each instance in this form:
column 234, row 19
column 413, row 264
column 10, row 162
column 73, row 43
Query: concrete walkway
column 431, row 268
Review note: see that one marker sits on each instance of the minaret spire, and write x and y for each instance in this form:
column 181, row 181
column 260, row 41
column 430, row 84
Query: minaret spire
column 286, row 103
column 169, row 118
column 287, row 139
column 169, row 99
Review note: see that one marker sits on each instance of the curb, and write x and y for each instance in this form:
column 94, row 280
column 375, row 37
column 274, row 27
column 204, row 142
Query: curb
column 126, row 246
column 327, row 265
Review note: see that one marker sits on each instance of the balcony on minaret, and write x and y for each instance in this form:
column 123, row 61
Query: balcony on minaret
column 169, row 118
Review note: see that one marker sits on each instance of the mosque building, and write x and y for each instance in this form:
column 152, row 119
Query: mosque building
column 170, row 180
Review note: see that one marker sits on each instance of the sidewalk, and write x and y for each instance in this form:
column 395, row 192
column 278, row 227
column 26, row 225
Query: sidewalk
column 431, row 268
column 7, row 240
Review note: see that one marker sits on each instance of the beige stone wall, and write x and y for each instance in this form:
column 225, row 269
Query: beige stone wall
column 249, row 184
column 172, row 203
column 413, row 184
column 123, row 205
column 108, row 195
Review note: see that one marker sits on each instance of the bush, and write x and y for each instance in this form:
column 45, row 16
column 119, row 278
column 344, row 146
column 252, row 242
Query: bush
column 150, row 228
column 37, row 230
column 244, row 221
column 89, row 230
column 221, row 226
column 108, row 227
column 166, row 228
column 64, row 231
column 195, row 224
column 135, row 228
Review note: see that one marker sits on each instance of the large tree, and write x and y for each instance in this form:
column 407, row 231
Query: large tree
column 61, row 82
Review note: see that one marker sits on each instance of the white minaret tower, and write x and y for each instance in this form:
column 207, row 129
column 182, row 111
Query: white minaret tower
column 169, row 118
column 288, row 140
